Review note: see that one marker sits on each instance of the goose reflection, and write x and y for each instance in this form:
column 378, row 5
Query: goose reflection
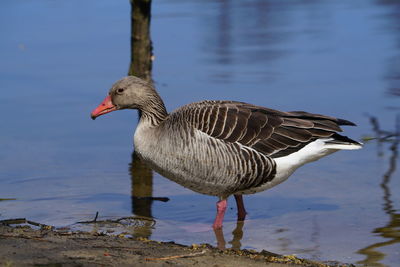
column 237, row 235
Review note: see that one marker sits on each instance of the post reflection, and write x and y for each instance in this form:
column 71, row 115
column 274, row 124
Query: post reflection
column 142, row 187
column 391, row 230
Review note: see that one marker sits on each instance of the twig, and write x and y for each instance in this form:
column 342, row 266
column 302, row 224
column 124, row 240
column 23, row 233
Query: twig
column 13, row 221
column 92, row 221
column 97, row 215
column 119, row 220
column 178, row 256
column 23, row 220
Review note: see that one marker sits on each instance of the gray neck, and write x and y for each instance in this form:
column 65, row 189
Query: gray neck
column 154, row 111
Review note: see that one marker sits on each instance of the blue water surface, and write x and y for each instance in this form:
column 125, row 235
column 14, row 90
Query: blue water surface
column 340, row 58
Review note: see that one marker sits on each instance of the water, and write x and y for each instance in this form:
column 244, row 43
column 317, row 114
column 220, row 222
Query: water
column 341, row 58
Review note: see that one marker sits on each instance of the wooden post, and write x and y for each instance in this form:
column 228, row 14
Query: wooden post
column 141, row 45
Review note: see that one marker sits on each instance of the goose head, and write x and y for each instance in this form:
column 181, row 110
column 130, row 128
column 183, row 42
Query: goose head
column 128, row 93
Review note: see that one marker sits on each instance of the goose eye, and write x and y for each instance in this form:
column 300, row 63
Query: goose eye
column 120, row 90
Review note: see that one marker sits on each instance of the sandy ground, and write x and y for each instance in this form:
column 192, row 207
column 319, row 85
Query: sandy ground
column 24, row 246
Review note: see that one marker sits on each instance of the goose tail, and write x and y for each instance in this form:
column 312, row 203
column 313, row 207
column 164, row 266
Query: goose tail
column 340, row 142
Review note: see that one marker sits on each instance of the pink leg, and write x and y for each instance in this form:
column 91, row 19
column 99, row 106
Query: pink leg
column 221, row 207
column 240, row 207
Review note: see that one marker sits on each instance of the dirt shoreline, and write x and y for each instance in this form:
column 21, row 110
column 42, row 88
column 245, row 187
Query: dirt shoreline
column 24, row 246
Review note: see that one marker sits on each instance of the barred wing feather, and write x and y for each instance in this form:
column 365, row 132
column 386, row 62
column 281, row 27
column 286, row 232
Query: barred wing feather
column 271, row 132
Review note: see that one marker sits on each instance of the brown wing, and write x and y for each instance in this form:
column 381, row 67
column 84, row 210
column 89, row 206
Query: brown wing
column 272, row 132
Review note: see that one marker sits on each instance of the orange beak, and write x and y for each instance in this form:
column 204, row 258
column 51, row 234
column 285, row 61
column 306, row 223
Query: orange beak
column 105, row 107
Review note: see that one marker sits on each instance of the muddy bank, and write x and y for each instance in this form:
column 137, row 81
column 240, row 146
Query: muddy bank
column 24, row 246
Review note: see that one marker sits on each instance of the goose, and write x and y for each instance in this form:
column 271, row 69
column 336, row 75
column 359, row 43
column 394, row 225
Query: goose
column 224, row 148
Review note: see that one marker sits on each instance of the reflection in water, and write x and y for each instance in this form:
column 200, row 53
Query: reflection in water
column 141, row 64
column 252, row 40
column 237, row 235
column 243, row 34
column 236, row 239
column 142, row 187
column 390, row 231
column 224, row 38
column 141, row 194
column 315, row 236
